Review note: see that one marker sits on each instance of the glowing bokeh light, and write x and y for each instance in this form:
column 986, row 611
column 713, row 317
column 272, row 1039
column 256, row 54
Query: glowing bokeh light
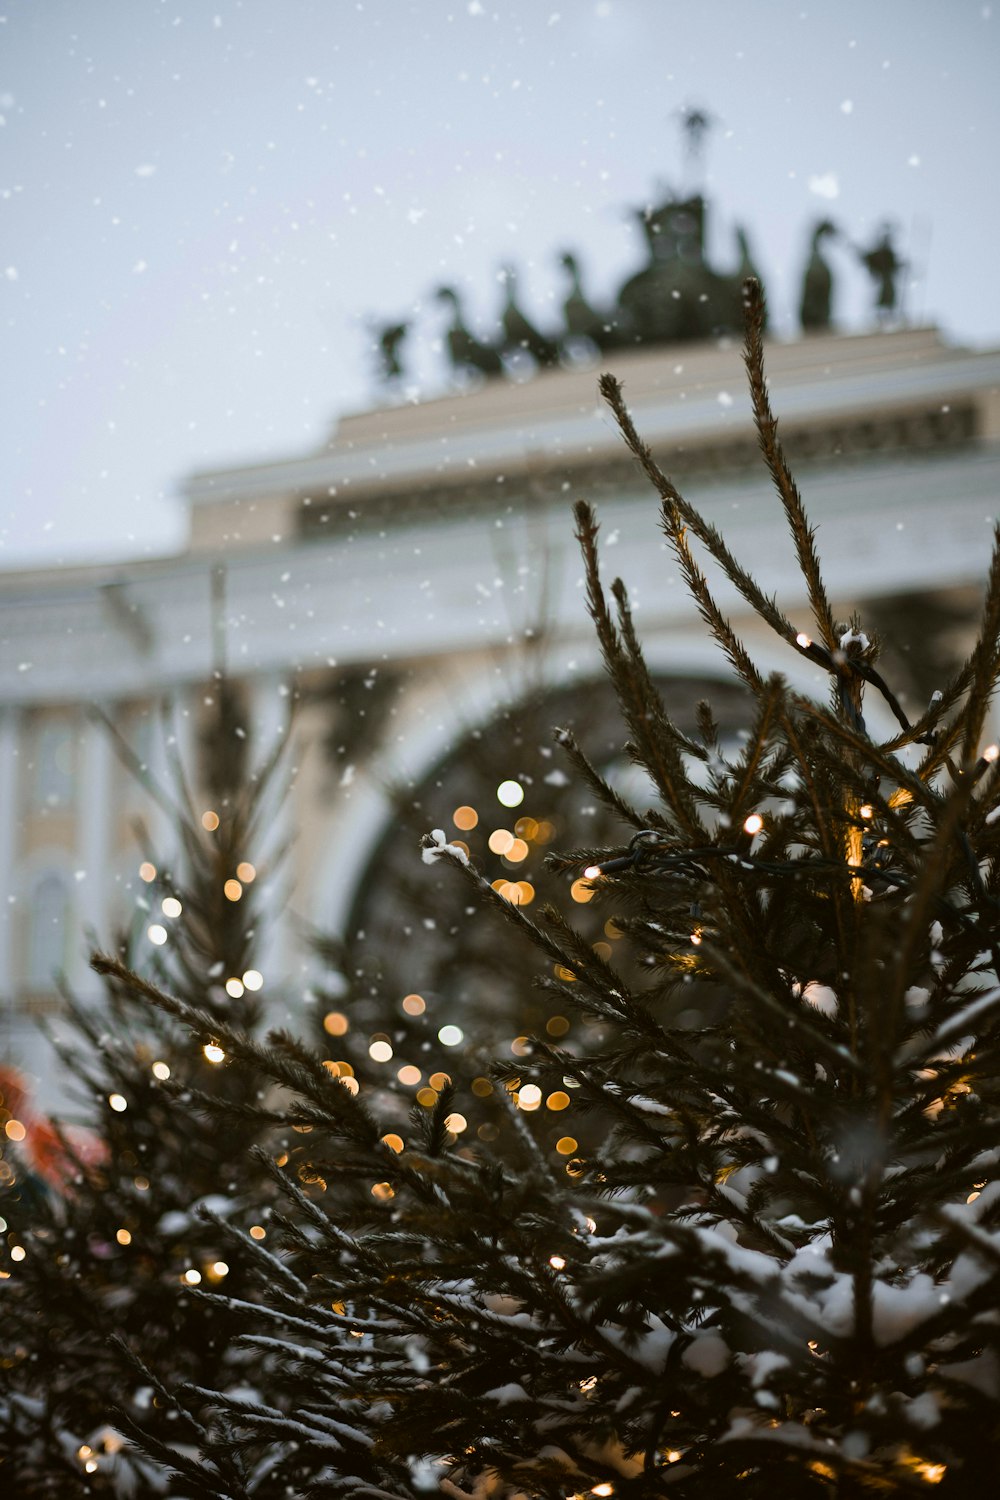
column 118, row 1103
column 161, row 1070
column 232, row 890
column 234, row 988
column 753, row 824
column 456, row 1123
column 414, row 1005
column 530, row 1097
column 409, row 1075
column 334, row 1023
column 210, row 821
column 253, row 979
column 451, row 1036
column 156, row 934
column 213, row 1052
column 510, row 793
column 465, row 818
column 171, row 907
column 380, row 1052
column 500, row 840
column 147, row 872
column 246, row 872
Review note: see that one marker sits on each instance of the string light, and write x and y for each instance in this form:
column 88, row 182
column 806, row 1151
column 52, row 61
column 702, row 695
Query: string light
column 866, row 811
column 465, row 818
column 990, row 753
column 257, row 1232
column 171, row 907
column 334, row 1024
column 592, row 872
column 380, row 1052
column 456, row 1123
column 14, row 1130
column 232, row 890
column 451, row 1036
column 414, row 1005
column 123, row 1237
column 192, row 1277
column 253, row 979
column 510, row 793
column 210, row 821
column 803, row 640
column 147, row 872
column 753, row 824
column 530, row 1097
column 118, row 1103
column 213, row 1052
column 234, row 988
column 246, row 872
column 558, row 1264
column 156, row 934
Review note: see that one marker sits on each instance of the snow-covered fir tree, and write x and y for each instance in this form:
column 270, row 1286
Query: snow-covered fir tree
column 117, row 1216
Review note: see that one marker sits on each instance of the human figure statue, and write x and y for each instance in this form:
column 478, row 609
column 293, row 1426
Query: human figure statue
column 884, row 267
column 390, row 336
column 465, row 351
column 519, row 332
column 817, row 283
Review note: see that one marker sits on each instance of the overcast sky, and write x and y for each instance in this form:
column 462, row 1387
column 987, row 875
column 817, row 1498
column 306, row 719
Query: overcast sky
column 204, row 201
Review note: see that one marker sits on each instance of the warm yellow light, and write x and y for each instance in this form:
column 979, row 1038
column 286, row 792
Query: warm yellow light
column 427, row 1097
column 866, row 811
column 91, row 1466
column 393, row 1141
column 414, row 1005
column 456, row 1123
column 171, row 907
column 933, row 1473
column 246, row 872
column 582, row 891
column 557, row 1026
column 350, row 1084
column 558, row 1100
column 566, row 975
column 591, row 873
column 123, row 1237
column 566, row 1145
column 14, row 1130
column 517, row 851
column 118, row 1103
column 510, row 793
column 210, row 821
column 17, row 1252
column 147, row 872
column 991, row 752
column 753, row 824
column 213, row 1052
column 525, row 892
column 253, row 979
column 482, row 1088
column 558, row 1264
column 803, row 640
column 465, row 818
column 439, row 1081
column 234, row 988
column 500, row 840
column 603, row 950
column 380, row 1052
column 156, row 934
column 382, row 1190
column 161, row 1070
column 530, row 1097
column 257, row 1231
column 526, row 828
column 673, row 1456
column 192, row 1277
column 972, row 1197
column 232, row 890
column 334, row 1024
column 219, row 1268
column 603, row 1489
column 409, row 1075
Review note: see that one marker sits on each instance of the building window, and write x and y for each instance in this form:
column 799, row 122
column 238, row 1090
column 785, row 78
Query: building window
column 48, row 933
column 53, row 766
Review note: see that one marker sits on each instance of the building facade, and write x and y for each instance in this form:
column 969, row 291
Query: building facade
column 420, row 569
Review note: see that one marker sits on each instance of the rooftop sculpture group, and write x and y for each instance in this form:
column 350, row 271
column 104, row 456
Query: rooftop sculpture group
column 677, row 296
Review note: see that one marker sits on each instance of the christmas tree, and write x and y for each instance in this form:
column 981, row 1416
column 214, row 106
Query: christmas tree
column 768, row 1259
column 116, row 1218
